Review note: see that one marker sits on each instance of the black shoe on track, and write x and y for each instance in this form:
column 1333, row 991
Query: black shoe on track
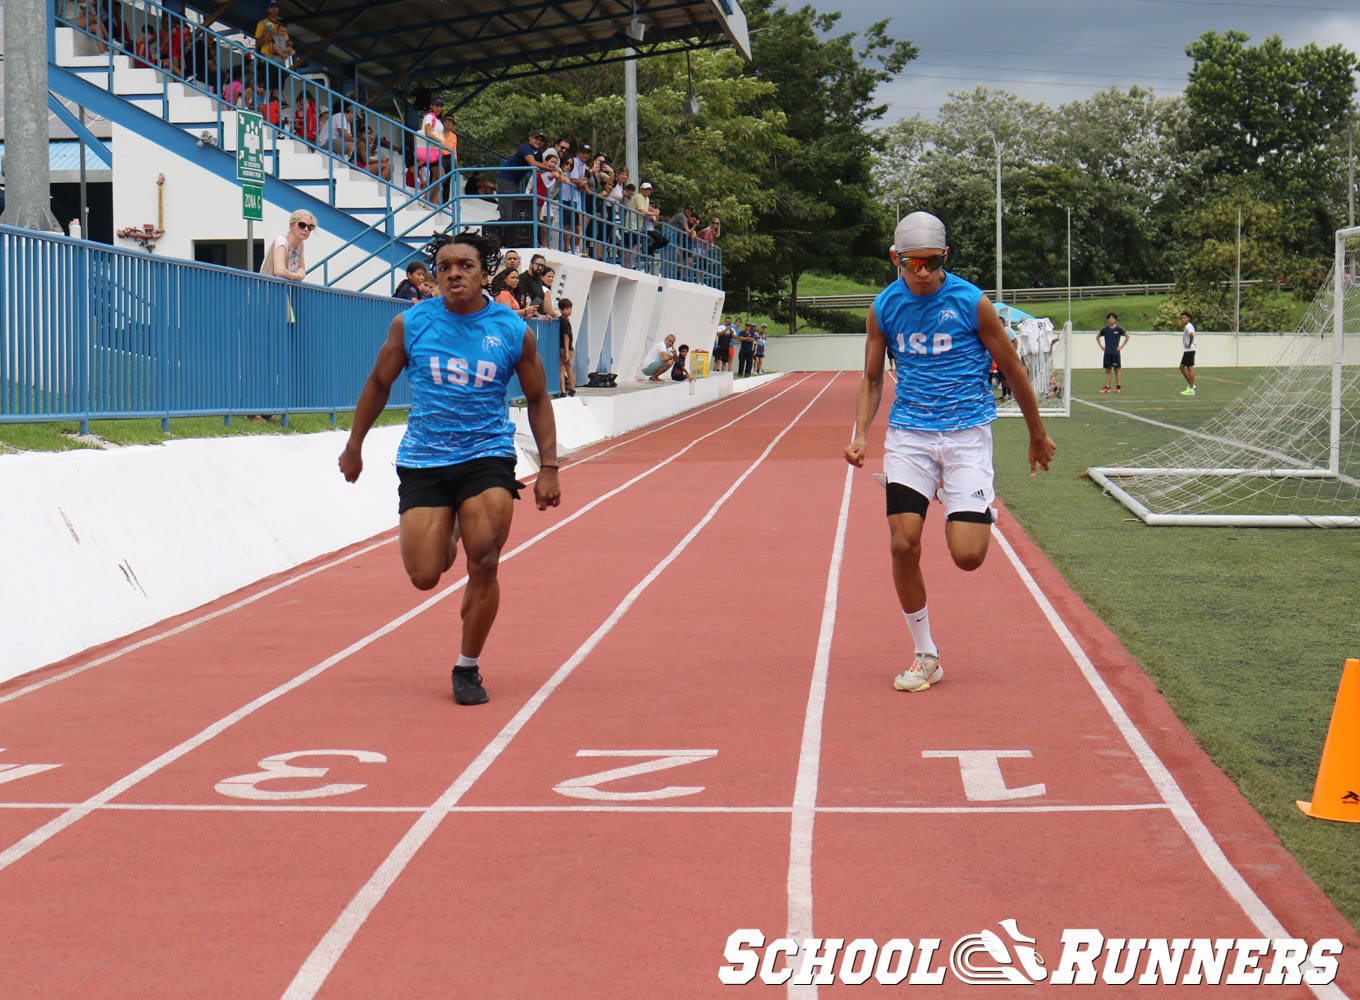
column 467, row 686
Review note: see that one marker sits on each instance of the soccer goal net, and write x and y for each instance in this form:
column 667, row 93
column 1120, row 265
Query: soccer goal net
column 1047, row 354
column 1283, row 453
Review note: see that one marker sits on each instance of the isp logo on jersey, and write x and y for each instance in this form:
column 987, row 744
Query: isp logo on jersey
column 948, row 316
column 491, row 342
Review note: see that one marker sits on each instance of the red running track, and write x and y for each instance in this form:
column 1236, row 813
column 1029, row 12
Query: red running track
column 691, row 732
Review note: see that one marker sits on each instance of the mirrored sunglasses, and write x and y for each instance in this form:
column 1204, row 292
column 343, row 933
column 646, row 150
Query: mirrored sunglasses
column 931, row 264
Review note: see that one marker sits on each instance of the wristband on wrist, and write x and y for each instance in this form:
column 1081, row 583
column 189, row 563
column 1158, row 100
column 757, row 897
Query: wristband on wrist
column 547, row 467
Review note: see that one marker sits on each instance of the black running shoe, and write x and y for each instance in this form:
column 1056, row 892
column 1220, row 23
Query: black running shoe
column 467, row 686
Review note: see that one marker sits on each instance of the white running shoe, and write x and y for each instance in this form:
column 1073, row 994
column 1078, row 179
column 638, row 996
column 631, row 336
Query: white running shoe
column 924, row 671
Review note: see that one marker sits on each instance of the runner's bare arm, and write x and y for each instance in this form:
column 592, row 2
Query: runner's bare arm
column 373, row 397
column 870, row 391
column 993, row 336
column 534, row 382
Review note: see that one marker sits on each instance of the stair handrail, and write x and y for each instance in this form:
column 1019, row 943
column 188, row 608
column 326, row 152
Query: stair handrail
column 221, row 68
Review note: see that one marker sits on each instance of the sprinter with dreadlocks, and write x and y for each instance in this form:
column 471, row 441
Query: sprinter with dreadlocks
column 456, row 462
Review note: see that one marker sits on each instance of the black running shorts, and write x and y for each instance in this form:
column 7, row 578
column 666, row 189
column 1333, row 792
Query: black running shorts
column 450, row 485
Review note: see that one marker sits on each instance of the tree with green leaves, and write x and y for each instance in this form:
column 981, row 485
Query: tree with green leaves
column 715, row 160
column 824, row 211
column 1277, row 114
column 1208, row 260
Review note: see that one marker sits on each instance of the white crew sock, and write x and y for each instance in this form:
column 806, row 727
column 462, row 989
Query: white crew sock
column 919, row 623
column 467, row 661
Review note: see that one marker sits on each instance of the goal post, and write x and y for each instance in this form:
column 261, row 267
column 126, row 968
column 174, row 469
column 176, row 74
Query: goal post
column 1282, row 454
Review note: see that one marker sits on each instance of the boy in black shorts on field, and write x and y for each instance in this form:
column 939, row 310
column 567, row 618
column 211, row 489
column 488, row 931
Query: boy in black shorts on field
column 1114, row 337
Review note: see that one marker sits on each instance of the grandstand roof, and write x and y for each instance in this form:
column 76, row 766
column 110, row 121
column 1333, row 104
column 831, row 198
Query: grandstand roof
column 475, row 42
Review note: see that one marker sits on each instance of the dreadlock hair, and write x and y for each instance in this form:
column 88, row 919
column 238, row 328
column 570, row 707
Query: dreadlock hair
column 488, row 247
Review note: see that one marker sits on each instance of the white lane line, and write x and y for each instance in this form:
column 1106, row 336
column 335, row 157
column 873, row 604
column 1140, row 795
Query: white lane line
column 615, row 808
column 799, row 882
column 76, row 813
column 186, row 626
column 1209, row 851
column 245, row 602
column 328, row 951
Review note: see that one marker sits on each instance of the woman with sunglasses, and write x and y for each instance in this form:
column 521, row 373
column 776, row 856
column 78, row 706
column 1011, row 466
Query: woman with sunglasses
column 943, row 333
column 285, row 258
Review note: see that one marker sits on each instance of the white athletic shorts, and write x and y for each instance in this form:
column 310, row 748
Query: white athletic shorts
column 956, row 466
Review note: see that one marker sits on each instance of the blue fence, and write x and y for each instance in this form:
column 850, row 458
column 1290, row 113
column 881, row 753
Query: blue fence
column 89, row 332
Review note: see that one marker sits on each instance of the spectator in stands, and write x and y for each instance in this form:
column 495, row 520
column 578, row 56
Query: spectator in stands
column 746, row 353
column 449, row 163
column 760, row 348
column 172, row 45
column 683, row 223
column 271, row 36
column 510, row 262
column 305, row 121
column 430, row 149
column 722, row 348
column 88, row 18
column 201, row 57
column 568, row 350
column 149, row 49
column 231, row 90
column 680, row 370
column 711, row 233
column 373, row 156
column 412, row 287
column 504, row 289
column 547, row 203
column 548, row 309
column 576, row 199
column 631, row 225
column 516, row 178
column 612, row 210
column 285, row 258
column 659, row 359
column 649, row 217
column 531, row 281
column 270, row 107
column 337, row 133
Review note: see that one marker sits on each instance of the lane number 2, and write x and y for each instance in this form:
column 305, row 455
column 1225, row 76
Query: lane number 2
column 588, row 786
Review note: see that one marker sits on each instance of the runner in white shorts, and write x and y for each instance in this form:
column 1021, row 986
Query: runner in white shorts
column 943, row 335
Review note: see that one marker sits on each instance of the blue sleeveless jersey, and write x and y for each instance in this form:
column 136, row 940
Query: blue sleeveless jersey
column 942, row 365
column 460, row 369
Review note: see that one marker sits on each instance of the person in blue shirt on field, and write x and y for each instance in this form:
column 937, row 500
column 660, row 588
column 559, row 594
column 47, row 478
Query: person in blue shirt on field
column 944, row 334
column 456, row 462
column 1113, row 337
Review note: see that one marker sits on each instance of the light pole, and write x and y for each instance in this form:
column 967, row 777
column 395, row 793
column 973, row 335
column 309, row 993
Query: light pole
column 997, row 146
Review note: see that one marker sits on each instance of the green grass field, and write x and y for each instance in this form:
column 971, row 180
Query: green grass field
column 1244, row 630
column 1135, row 312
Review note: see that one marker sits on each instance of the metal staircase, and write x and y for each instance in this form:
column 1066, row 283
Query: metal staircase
column 379, row 221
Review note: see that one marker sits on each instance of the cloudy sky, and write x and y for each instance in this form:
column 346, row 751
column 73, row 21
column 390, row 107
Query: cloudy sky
column 1064, row 50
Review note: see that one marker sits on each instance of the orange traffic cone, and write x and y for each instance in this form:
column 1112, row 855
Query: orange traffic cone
column 1336, row 795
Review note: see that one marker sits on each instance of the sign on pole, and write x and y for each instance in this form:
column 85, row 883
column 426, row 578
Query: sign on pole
column 250, row 147
column 252, row 203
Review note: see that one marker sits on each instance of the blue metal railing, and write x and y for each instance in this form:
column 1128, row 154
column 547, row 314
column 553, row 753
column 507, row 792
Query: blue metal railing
column 296, row 105
column 212, row 65
column 89, row 332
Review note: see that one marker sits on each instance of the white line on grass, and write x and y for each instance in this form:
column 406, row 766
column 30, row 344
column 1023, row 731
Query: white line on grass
column 1209, row 851
column 76, row 813
column 331, row 947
